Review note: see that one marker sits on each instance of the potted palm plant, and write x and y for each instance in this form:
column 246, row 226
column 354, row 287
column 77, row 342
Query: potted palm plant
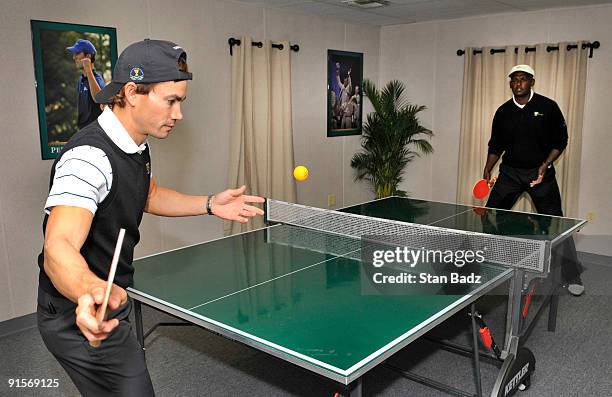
column 392, row 137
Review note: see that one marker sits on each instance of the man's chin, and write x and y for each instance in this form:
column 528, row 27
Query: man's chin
column 164, row 133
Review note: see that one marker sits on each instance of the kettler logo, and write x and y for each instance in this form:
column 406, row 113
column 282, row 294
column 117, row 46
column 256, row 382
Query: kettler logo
column 516, row 379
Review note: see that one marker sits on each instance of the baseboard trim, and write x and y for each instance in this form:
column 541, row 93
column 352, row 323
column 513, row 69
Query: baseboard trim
column 17, row 324
column 596, row 259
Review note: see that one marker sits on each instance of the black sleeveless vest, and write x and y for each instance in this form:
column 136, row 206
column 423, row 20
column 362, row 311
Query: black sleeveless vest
column 123, row 207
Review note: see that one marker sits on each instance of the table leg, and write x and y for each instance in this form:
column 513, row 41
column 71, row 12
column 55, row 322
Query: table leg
column 353, row 389
column 477, row 379
column 554, row 299
column 138, row 317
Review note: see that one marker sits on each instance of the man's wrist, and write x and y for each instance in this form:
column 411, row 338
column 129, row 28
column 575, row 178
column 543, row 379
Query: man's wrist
column 209, row 203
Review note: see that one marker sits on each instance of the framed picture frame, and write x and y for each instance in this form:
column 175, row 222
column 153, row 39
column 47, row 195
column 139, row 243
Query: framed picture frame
column 58, row 76
column 344, row 93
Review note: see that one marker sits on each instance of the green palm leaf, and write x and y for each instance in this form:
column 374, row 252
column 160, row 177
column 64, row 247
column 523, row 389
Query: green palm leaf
column 392, row 137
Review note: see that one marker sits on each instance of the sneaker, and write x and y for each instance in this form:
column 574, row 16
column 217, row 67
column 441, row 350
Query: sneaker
column 575, row 286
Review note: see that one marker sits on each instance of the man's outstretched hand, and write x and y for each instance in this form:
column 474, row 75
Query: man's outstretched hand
column 232, row 205
column 541, row 173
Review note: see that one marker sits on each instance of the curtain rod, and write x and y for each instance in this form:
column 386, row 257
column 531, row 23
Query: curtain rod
column 232, row 42
column 590, row 46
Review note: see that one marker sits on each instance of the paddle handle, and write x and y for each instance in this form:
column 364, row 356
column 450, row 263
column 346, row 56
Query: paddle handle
column 101, row 313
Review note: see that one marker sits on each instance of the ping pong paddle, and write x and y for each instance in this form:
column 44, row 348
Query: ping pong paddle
column 482, row 188
column 479, row 210
column 101, row 313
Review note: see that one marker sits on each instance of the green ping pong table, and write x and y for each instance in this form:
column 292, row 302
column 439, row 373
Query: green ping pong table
column 291, row 289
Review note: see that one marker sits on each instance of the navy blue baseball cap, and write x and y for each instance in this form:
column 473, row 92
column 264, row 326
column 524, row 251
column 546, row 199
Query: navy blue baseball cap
column 147, row 61
column 82, row 45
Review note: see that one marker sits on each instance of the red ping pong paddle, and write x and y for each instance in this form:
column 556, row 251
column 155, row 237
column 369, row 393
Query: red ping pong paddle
column 482, row 188
column 479, row 210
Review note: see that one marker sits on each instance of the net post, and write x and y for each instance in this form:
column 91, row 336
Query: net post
column 266, row 208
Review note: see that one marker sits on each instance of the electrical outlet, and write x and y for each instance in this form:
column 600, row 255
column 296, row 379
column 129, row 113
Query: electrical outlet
column 331, row 200
column 590, row 217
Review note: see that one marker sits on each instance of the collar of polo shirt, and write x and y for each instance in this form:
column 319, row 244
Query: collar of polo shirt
column 522, row 106
column 118, row 134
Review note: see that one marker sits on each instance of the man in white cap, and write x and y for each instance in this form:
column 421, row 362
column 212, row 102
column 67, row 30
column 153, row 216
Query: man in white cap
column 530, row 131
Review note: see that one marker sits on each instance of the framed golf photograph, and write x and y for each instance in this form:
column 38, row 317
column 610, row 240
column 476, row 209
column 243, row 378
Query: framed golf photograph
column 344, row 95
column 71, row 64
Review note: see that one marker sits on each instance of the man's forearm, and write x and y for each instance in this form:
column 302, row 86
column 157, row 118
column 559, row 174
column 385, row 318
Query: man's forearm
column 168, row 202
column 552, row 156
column 94, row 87
column 339, row 81
column 68, row 270
column 491, row 161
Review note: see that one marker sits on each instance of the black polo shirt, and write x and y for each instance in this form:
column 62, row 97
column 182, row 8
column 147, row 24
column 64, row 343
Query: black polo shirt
column 525, row 136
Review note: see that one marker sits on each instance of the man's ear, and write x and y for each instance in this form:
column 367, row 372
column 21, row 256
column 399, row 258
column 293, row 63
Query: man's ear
column 532, row 82
column 129, row 92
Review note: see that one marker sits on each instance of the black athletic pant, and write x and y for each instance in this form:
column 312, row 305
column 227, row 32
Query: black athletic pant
column 116, row 368
column 512, row 183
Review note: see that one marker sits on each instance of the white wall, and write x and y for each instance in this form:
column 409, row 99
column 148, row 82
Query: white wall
column 194, row 158
column 328, row 159
column 424, row 56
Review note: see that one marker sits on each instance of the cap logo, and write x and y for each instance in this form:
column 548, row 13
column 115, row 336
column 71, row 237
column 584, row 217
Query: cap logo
column 176, row 47
column 136, row 73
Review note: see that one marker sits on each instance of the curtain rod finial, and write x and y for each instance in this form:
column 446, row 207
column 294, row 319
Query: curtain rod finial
column 232, row 42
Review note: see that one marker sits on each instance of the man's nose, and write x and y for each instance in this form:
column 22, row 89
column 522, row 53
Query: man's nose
column 176, row 112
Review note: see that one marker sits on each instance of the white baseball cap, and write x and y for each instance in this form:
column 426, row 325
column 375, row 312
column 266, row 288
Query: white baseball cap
column 522, row 68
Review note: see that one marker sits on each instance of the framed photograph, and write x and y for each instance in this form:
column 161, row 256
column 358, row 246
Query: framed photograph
column 63, row 81
column 344, row 94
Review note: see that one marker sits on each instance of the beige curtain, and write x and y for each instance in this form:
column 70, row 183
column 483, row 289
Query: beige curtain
column 261, row 144
column 560, row 75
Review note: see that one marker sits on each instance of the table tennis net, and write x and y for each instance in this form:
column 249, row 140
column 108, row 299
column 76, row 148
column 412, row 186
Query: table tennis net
column 352, row 229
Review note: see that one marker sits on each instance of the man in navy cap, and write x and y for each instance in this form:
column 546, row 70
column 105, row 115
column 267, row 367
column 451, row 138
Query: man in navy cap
column 102, row 182
column 89, row 84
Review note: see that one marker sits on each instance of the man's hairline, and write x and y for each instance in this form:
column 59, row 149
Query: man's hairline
column 82, row 52
column 153, row 85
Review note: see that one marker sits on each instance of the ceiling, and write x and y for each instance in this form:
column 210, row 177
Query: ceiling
column 411, row 11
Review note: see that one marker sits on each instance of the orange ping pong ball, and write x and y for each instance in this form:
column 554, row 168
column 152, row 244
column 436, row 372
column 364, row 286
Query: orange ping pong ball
column 300, row 173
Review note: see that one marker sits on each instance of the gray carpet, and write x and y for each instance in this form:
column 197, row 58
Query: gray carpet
column 187, row 361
